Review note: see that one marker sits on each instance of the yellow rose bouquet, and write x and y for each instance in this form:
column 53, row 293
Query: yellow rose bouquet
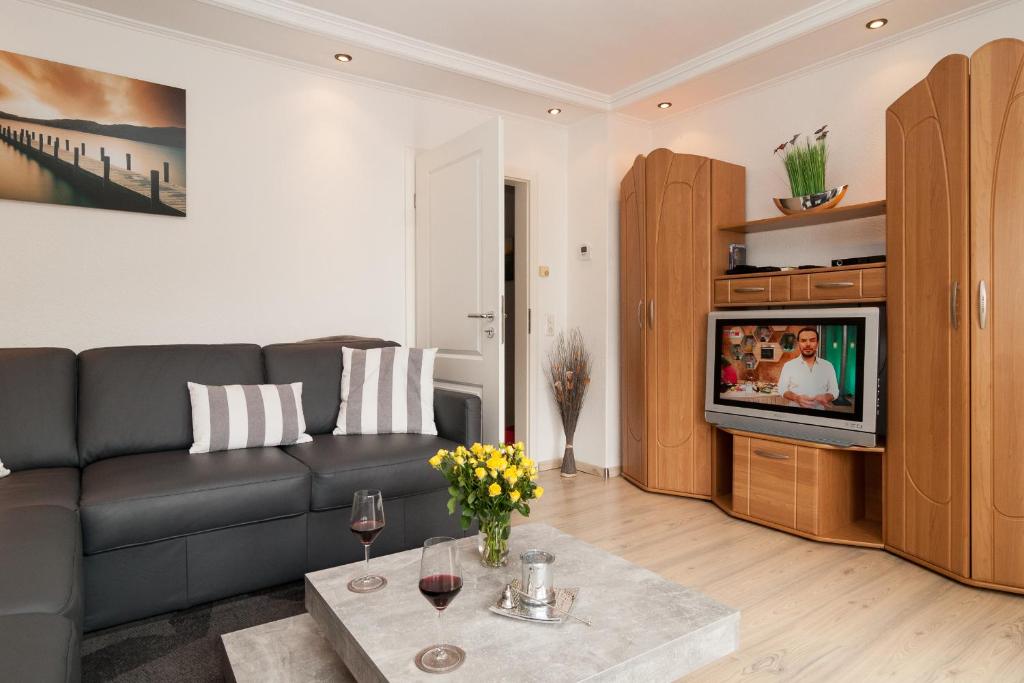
column 489, row 483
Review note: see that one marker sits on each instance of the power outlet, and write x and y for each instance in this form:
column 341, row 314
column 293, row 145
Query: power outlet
column 549, row 329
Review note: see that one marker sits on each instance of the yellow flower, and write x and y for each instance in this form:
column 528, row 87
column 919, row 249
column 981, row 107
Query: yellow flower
column 477, row 449
column 510, row 450
column 480, row 473
column 459, row 460
column 435, row 462
column 520, row 445
column 494, row 473
column 526, row 462
column 514, row 496
column 512, row 475
column 473, row 461
column 494, row 490
column 496, row 462
column 488, row 448
column 538, row 492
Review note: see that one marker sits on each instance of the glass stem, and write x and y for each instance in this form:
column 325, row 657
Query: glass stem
column 442, row 653
column 366, row 554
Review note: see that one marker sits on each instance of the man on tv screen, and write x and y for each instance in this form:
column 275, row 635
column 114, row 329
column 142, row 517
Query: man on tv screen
column 807, row 380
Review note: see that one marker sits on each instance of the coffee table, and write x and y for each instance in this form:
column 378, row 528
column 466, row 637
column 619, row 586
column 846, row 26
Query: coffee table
column 644, row 627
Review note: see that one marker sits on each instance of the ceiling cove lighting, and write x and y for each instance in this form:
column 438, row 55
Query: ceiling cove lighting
column 664, row 105
column 554, row 111
column 342, row 57
column 877, row 23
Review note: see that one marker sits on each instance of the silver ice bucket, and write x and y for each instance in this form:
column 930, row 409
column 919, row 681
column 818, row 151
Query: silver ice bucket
column 538, row 576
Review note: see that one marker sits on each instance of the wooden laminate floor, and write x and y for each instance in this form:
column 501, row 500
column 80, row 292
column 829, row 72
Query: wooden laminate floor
column 810, row 611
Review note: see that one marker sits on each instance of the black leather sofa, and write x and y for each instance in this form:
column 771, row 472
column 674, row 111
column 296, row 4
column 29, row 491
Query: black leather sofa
column 107, row 518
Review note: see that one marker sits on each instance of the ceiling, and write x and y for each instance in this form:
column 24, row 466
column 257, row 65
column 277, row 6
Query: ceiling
column 581, row 56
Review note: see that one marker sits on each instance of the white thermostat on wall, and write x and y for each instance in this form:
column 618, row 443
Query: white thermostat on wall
column 584, row 252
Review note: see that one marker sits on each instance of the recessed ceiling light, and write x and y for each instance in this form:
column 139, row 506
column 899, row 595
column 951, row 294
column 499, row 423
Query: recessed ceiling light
column 664, row 105
column 342, row 57
column 877, row 23
column 554, row 111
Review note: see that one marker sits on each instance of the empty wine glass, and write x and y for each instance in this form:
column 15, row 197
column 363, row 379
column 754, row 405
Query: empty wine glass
column 367, row 522
column 440, row 582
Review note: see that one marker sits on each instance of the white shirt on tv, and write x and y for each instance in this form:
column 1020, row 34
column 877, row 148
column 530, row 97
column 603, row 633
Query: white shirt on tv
column 808, row 380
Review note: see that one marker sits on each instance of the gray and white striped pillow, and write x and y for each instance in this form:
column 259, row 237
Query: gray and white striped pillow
column 246, row 416
column 387, row 391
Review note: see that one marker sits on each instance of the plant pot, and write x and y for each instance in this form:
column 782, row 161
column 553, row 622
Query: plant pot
column 811, row 203
column 568, row 462
column 493, row 543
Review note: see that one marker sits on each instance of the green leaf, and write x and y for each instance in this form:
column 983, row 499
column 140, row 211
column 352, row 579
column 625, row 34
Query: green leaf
column 451, row 506
column 453, row 491
column 464, row 522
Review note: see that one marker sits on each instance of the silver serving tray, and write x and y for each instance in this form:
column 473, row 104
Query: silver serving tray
column 565, row 599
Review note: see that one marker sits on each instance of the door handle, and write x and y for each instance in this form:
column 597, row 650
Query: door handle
column 833, row 285
column 640, row 314
column 771, row 455
column 954, row 305
column 748, row 290
column 982, row 304
column 483, row 316
column 650, row 313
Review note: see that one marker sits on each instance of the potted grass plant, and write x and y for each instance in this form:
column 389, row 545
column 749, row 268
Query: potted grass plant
column 569, row 365
column 805, row 165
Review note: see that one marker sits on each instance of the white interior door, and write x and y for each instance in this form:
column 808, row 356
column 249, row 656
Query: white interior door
column 460, row 220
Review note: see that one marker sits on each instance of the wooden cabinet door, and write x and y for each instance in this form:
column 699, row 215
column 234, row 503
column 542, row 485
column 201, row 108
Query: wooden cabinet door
column 997, row 349
column 632, row 328
column 678, row 263
column 927, row 478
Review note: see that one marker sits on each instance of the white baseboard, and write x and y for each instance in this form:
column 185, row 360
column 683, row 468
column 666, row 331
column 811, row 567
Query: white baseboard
column 586, row 468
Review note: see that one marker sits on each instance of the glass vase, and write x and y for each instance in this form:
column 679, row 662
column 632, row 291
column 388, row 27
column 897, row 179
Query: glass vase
column 494, row 532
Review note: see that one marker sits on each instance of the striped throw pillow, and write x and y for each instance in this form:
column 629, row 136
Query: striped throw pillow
column 387, row 391
column 246, row 416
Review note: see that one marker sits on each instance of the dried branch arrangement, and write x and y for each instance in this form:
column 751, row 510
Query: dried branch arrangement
column 569, row 364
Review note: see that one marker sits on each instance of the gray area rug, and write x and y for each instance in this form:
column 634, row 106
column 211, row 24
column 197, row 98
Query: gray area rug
column 185, row 645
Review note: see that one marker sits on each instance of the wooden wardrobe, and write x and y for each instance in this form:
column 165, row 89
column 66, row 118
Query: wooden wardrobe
column 670, row 207
column 954, row 495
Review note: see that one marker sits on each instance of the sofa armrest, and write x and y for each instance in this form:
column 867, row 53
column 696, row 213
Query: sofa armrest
column 457, row 416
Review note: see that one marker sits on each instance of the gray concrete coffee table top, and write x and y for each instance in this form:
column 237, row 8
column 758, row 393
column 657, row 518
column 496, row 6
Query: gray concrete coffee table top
column 644, row 627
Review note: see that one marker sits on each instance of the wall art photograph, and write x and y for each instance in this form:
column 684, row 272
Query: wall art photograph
column 86, row 138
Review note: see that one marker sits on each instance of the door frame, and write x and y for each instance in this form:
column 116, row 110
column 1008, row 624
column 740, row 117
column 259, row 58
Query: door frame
column 525, row 220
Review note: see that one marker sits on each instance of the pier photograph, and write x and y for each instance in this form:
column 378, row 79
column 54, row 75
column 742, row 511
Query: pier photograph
column 80, row 137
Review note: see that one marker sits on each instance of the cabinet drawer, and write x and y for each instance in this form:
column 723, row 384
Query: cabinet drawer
column 872, row 283
column 844, row 284
column 779, row 289
column 749, row 290
column 773, row 482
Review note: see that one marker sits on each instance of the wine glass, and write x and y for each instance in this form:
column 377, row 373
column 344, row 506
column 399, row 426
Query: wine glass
column 367, row 522
column 440, row 582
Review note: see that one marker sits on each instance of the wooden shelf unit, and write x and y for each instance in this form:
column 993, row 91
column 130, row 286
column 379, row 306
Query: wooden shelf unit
column 800, row 220
column 857, row 284
column 819, row 491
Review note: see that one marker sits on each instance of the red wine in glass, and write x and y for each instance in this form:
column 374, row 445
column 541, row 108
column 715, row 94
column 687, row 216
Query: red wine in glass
column 440, row 589
column 366, row 522
column 440, row 582
column 367, row 530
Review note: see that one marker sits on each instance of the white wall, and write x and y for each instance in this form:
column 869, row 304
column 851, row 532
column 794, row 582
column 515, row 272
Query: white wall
column 296, row 220
column 851, row 96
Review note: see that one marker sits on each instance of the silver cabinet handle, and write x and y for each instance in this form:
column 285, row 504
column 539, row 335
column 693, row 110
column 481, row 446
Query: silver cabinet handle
column 483, row 316
column 834, row 285
column 770, row 454
column 640, row 314
column 954, row 305
column 982, row 304
column 748, row 290
column 650, row 313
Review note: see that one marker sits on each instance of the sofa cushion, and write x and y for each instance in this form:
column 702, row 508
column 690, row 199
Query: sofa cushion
column 136, row 499
column 37, row 408
column 134, row 399
column 318, row 366
column 41, row 562
column 43, row 486
column 41, row 648
column 394, row 463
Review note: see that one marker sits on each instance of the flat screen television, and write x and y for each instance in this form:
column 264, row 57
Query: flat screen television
column 809, row 374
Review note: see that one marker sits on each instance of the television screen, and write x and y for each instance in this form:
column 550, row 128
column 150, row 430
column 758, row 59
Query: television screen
column 806, row 367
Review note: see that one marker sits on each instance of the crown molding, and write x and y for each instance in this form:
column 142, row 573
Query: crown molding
column 292, row 14
column 876, row 46
column 795, row 25
column 91, row 13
